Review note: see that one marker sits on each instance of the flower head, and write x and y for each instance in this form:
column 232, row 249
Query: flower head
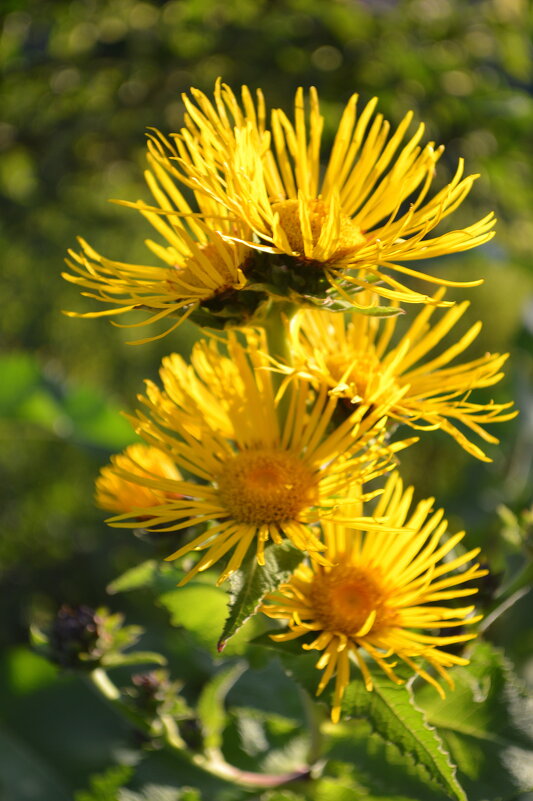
column 117, row 494
column 355, row 359
column 383, row 596
column 262, row 467
column 367, row 215
column 198, row 266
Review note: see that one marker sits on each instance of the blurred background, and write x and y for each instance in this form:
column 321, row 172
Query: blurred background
column 81, row 83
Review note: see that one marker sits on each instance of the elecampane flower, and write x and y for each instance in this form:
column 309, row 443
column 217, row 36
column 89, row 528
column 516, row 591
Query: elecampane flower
column 354, row 357
column 262, row 467
column 383, row 597
column 367, row 215
column 197, row 265
column 117, row 494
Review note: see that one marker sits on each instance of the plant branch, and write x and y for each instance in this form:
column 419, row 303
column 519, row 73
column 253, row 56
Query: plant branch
column 211, row 761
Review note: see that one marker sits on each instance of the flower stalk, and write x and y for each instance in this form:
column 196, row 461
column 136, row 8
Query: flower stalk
column 210, row 760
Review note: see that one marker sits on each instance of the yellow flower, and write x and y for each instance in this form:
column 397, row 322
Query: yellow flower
column 198, row 264
column 367, row 215
column 255, row 477
column 117, row 494
column 355, row 360
column 381, row 597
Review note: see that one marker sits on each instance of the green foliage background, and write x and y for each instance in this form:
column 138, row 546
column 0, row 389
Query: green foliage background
column 81, row 82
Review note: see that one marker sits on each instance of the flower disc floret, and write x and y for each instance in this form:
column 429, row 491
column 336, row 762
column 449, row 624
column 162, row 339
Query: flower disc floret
column 266, row 487
column 347, row 598
column 305, row 241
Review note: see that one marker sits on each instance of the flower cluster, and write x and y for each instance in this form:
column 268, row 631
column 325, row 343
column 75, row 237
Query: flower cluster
column 282, row 431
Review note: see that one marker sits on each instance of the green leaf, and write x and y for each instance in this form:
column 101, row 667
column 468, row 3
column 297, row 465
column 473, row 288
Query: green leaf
column 211, row 711
column 134, row 658
column 199, row 608
column 25, row 775
column 96, row 419
column 378, row 311
column 298, row 664
column 252, row 735
column 249, row 585
column 190, row 794
column 152, row 574
column 338, row 305
column 40, row 408
column 393, row 715
column 487, row 724
column 388, row 709
column 139, row 576
column 157, row 792
column 105, row 785
column 20, row 378
column 28, row 671
column 327, row 789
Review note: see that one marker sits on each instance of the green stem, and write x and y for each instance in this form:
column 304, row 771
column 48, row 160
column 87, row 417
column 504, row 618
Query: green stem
column 516, row 589
column 211, row 761
column 101, row 681
column 314, row 716
column 275, row 324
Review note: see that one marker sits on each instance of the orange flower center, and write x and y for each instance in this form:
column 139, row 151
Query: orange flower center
column 344, row 597
column 359, row 371
column 349, row 237
column 266, row 486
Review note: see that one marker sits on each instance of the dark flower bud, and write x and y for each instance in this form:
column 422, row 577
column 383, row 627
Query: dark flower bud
column 74, row 632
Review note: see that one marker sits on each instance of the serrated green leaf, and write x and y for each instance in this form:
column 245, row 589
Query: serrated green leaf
column 487, row 723
column 211, row 711
column 393, row 715
column 389, row 710
column 249, row 585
